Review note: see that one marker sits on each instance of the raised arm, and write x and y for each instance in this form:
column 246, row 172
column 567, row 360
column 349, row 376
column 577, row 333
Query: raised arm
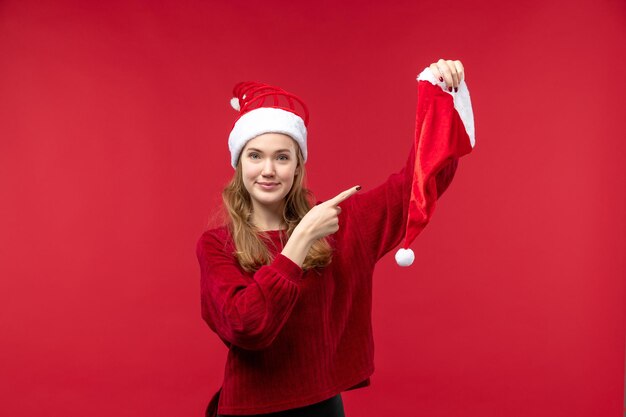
column 245, row 311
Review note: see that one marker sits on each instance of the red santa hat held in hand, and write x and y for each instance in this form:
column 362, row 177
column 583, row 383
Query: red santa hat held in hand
column 264, row 108
column 444, row 130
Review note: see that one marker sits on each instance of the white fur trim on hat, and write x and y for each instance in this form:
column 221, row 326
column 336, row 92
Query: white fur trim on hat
column 265, row 120
column 462, row 101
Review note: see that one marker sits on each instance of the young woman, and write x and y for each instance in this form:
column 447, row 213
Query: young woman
column 286, row 284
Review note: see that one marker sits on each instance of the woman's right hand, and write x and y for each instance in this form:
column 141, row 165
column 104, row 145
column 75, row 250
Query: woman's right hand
column 322, row 220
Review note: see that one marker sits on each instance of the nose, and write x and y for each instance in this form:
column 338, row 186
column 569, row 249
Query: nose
column 268, row 168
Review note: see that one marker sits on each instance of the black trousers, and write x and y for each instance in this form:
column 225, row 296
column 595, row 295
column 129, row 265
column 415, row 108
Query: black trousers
column 332, row 407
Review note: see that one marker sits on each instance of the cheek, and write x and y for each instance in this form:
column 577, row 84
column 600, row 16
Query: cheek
column 289, row 175
column 248, row 172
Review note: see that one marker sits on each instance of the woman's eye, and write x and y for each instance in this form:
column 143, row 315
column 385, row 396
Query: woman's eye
column 255, row 155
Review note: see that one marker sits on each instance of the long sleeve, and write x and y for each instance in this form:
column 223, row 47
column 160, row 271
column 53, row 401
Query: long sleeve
column 245, row 311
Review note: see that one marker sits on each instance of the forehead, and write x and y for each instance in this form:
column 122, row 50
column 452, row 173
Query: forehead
column 268, row 142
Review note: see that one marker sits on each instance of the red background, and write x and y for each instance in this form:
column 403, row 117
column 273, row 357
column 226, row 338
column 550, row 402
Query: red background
column 114, row 118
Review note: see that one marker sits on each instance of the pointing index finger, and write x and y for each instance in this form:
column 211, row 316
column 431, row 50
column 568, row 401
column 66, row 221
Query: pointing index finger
column 344, row 195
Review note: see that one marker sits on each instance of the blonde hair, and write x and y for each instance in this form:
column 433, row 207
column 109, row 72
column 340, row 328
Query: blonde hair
column 251, row 248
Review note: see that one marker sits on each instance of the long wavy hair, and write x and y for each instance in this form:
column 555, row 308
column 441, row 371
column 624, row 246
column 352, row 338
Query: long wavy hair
column 251, row 243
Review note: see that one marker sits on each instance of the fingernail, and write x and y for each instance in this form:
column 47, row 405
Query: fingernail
column 358, row 188
column 450, row 89
column 441, row 79
column 456, row 89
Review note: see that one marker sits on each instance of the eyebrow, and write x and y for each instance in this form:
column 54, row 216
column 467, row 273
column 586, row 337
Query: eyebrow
column 280, row 150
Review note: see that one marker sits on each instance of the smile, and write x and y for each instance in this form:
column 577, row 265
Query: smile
column 268, row 186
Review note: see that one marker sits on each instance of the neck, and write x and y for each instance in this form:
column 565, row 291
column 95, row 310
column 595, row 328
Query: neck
column 267, row 218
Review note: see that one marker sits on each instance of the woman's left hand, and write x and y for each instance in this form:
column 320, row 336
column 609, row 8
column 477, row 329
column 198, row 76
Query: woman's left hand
column 450, row 71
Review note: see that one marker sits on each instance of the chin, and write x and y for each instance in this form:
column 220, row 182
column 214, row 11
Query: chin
column 267, row 200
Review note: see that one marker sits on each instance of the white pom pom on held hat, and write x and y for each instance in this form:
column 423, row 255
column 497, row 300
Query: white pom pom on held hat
column 266, row 109
column 405, row 257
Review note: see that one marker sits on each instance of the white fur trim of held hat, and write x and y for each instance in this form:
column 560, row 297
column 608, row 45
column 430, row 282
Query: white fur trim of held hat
column 265, row 120
column 461, row 99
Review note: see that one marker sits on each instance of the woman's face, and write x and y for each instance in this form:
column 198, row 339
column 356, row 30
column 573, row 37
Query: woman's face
column 268, row 166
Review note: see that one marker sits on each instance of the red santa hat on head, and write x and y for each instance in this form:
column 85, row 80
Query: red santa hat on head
column 444, row 131
column 264, row 108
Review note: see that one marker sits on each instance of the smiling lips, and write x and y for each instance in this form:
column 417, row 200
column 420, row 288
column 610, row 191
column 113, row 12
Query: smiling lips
column 268, row 185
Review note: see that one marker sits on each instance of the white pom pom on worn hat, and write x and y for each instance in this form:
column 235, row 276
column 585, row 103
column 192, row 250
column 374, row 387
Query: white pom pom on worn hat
column 234, row 103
